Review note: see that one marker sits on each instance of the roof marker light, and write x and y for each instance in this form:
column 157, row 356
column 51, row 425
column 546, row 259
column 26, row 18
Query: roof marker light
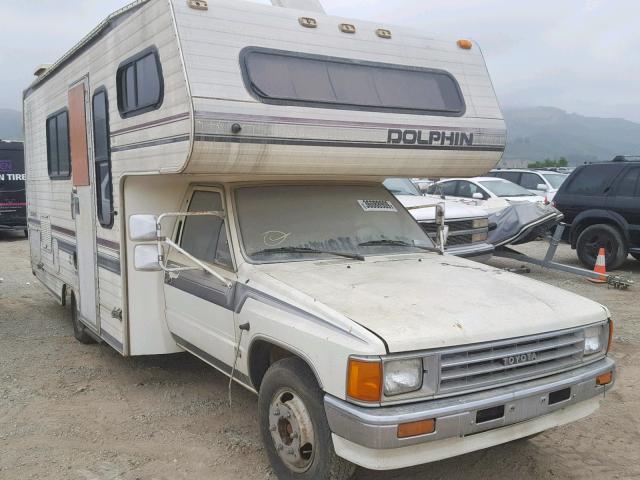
column 383, row 33
column 308, row 22
column 347, row 28
column 465, row 44
column 198, row 4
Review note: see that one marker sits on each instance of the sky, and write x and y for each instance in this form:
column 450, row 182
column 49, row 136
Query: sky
column 582, row 56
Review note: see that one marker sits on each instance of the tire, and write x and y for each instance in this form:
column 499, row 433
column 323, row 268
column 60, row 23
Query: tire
column 602, row 235
column 294, row 426
column 79, row 329
column 26, row 233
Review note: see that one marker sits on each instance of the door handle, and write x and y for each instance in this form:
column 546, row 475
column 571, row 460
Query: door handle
column 74, row 205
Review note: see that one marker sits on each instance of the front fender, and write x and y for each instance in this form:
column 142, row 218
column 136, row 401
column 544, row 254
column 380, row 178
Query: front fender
column 594, row 216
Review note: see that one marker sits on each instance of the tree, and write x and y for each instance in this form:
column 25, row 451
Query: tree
column 548, row 163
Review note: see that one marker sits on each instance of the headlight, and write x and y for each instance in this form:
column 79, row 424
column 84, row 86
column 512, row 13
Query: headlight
column 596, row 339
column 479, row 237
column 481, row 223
column 402, row 376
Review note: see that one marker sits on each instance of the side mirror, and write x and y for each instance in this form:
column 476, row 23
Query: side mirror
column 542, row 187
column 142, row 228
column 478, row 196
column 145, row 258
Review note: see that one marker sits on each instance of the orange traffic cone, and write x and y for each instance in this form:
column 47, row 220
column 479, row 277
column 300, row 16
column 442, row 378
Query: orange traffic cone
column 600, row 267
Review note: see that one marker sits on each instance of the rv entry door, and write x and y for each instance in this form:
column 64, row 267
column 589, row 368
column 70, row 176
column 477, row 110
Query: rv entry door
column 82, row 204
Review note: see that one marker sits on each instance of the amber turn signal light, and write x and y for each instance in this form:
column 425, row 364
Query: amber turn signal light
column 604, row 379
column 413, row 429
column 465, row 44
column 364, row 381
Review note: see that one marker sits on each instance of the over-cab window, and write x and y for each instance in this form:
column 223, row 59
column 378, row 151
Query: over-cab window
column 140, row 84
column 104, row 186
column 58, row 153
column 205, row 237
column 290, row 78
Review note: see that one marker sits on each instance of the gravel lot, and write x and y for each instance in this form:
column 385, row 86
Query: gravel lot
column 72, row 411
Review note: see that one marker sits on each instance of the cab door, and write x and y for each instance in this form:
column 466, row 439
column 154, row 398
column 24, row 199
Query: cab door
column 625, row 201
column 199, row 307
column 82, row 202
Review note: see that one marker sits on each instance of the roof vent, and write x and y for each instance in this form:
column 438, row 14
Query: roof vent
column 42, row 69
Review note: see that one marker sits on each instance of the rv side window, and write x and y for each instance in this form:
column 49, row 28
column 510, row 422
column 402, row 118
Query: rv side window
column 140, row 84
column 104, row 187
column 289, row 78
column 58, row 154
column 205, row 237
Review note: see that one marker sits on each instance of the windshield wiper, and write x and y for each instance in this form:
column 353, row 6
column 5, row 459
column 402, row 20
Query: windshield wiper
column 397, row 243
column 353, row 256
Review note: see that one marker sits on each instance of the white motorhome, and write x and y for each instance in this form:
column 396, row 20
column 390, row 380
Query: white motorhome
column 206, row 176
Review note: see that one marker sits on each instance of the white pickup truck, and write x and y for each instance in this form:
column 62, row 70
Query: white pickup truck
column 223, row 165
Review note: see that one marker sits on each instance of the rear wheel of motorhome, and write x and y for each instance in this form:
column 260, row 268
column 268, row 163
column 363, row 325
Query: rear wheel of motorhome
column 596, row 236
column 294, row 427
column 79, row 329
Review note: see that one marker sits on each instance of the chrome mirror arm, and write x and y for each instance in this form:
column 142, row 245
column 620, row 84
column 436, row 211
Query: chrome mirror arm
column 160, row 240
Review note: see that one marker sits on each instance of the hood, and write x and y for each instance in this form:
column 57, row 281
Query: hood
column 452, row 210
column 424, row 301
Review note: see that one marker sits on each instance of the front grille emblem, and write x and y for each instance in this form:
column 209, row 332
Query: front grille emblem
column 520, row 359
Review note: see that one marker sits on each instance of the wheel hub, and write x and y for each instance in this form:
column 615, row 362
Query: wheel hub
column 291, row 430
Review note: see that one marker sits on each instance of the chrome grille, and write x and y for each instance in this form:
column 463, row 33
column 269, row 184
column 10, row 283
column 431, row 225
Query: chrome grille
column 460, row 231
column 488, row 365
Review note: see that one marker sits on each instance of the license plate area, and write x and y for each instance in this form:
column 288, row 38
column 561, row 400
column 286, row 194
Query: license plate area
column 559, row 396
column 489, row 414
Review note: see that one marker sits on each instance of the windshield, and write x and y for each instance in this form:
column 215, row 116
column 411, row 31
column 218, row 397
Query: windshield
column 278, row 222
column 555, row 179
column 502, row 188
column 401, row 186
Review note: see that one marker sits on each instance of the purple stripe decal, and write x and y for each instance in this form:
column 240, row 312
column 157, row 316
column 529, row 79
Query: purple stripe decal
column 324, row 123
column 160, row 121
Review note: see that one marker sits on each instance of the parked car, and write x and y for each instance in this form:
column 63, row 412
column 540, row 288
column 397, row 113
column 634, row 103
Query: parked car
column 422, row 183
column 13, row 205
column 467, row 225
column 601, row 202
column 539, row 182
column 488, row 192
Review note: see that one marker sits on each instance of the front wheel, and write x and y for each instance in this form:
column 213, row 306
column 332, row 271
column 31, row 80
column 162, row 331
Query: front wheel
column 601, row 236
column 294, row 427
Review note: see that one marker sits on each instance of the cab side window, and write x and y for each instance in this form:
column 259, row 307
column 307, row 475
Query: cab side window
column 530, row 181
column 205, row 237
column 447, row 188
column 467, row 189
column 629, row 185
column 511, row 176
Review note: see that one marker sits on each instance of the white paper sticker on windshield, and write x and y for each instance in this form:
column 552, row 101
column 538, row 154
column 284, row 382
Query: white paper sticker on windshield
column 377, row 206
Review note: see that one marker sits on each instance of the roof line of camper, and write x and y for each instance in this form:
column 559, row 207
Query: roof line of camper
column 92, row 35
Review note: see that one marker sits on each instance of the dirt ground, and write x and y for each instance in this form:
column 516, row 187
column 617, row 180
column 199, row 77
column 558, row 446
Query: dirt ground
column 72, row 411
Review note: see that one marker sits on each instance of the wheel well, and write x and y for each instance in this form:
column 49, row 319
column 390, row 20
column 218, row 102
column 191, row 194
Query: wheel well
column 590, row 221
column 263, row 354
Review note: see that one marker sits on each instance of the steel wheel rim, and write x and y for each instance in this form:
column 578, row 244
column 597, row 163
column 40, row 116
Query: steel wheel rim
column 291, row 430
column 593, row 244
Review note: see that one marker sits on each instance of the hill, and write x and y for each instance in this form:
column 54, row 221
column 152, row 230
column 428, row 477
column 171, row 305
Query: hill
column 10, row 124
column 538, row 133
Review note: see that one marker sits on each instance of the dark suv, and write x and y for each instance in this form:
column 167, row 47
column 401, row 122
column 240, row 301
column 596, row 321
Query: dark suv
column 601, row 201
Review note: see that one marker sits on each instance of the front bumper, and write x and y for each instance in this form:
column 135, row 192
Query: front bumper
column 375, row 429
